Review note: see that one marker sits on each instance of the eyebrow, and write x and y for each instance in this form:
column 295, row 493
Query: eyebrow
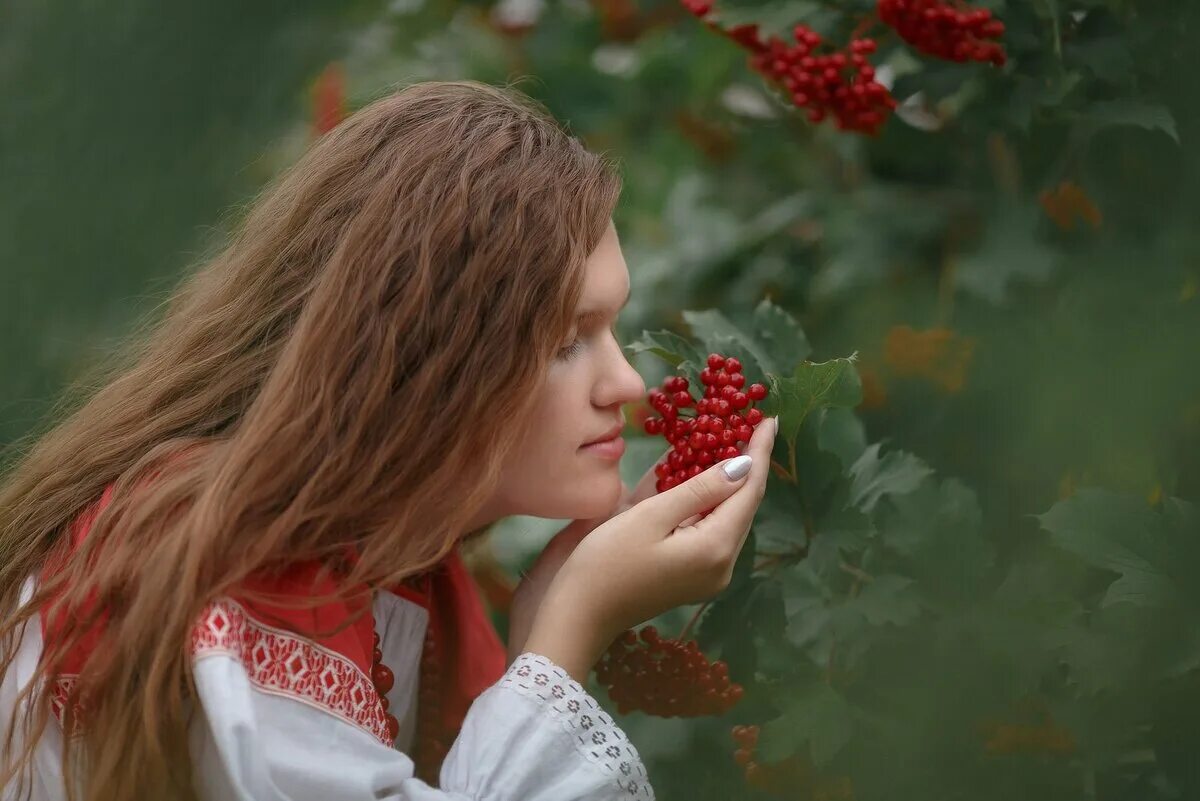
column 595, row 314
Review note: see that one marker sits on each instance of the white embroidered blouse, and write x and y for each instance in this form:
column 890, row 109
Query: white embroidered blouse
column 283, row 719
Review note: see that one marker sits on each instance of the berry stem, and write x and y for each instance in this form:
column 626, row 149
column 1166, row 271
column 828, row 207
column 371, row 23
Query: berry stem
column 687, row 627
column 783, row 473
column 865, row 23
column 860, row 576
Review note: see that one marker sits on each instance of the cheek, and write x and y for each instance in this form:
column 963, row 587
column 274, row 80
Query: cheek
column 548, row 475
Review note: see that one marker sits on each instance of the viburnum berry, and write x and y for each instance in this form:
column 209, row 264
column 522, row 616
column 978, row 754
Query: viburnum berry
column 718, row 425
column 955, row 32
column 839, row 84
column 793, row 777
column 665, row 677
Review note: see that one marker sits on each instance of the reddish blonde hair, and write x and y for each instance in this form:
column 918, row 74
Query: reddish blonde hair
column 342, row 376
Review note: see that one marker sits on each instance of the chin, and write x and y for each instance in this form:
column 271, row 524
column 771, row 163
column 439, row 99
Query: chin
column 592, row 498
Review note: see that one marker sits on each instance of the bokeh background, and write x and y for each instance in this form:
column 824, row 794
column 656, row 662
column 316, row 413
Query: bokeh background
column 1015, row 260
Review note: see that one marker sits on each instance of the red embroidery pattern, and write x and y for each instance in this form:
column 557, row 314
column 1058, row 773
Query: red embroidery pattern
column 58, row 703
column 277, row 662
column 281, row 663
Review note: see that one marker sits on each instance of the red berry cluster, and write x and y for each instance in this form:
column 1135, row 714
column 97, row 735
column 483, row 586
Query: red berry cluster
column 746, row 739
column 794, row 777
column 839, row 83
column 667, row 678
column 940, row 29
column 724, row 419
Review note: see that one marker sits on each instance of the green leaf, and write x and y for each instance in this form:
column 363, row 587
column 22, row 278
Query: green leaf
column 668, row 346
column 937, row 530
column 779, row 523
column 841, row 432
column 1107, row 57
column 1118, row 533
column 818, row 717
column 896, row 473
column 783, row 341
column 812, row 386
column 1009, row 253
column 1129, row 111
column 887, row 599
column 719, row 335
column 677, row 351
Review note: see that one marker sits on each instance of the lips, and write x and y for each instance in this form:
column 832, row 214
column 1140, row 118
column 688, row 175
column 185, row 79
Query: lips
column 611, row 434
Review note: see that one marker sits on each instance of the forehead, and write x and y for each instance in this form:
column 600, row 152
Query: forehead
column 606, row 277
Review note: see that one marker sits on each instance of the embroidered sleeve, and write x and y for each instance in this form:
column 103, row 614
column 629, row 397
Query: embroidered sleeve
column 537, row 735
column 596, row 736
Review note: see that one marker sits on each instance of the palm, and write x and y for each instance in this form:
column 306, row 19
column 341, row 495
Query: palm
column 528, row 595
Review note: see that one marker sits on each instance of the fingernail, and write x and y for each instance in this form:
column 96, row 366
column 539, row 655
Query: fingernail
column 737, row 467
column 776, row 419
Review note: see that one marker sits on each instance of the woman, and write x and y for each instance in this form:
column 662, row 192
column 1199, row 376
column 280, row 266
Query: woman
column 231, row 573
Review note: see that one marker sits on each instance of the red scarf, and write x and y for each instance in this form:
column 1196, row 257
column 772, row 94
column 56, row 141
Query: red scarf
column 463, row 654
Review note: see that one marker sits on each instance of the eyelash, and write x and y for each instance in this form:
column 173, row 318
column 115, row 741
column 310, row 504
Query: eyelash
column 571, row 351
column 576, row 347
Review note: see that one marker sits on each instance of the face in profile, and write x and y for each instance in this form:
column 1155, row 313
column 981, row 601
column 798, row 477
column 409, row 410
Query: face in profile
column 566, row 465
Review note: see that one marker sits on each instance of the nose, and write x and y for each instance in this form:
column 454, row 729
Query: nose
column 619, row 383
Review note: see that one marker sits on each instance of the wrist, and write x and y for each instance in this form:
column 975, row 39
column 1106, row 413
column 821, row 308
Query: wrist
column 572, row 646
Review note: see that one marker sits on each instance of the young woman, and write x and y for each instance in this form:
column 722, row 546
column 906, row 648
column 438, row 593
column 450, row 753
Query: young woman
column 231, row 573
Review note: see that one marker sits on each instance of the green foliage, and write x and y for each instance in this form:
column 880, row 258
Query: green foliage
column 880, row 634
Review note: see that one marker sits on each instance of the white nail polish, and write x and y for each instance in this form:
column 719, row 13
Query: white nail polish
column 737, row 467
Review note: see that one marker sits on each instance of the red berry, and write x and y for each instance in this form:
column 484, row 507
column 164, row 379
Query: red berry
column 756, row 392
column 740, row 400
column 715, row 361
column 754, row 417
column 737, row 380
column 660, row 677
column 732, row 365
column 938, row 29
column 653, row 425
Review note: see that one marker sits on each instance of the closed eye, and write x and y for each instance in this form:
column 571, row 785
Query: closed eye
column 571, row 351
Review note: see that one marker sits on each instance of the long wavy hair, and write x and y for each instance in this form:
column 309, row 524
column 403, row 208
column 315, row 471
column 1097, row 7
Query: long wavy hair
column 342, row 376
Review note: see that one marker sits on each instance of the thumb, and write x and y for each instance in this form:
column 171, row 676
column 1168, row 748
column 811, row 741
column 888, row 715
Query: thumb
column 700, row 493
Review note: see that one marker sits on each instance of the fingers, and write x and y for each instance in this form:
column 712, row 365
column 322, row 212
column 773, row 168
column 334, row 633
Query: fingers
column 719, row 536
column 735, row 515
column 670, row 508
column 719, row 484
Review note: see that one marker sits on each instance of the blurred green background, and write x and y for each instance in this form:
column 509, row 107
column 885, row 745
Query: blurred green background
column 1015, row 259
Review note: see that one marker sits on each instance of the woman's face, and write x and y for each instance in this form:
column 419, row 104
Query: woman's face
column 555, row 472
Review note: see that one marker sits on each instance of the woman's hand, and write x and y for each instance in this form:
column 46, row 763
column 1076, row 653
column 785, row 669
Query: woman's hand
column 652, row 557
column 529, row 593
